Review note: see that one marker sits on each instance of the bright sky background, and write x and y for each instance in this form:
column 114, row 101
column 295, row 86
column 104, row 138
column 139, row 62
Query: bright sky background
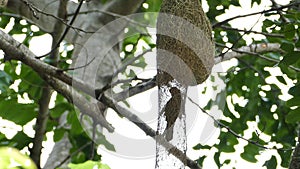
column 138, row 102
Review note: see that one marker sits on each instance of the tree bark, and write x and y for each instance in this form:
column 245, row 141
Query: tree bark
column 295, row 159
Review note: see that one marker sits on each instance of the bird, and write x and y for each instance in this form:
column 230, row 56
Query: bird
column 172, row 111
column 191, row 43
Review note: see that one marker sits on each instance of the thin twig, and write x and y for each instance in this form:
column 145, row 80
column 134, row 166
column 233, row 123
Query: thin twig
column 252, row 31
column 236, row 42
column 37, row 10
column 65, row 32
column 275, row 4
column 31, row 7
column 72, row 154
column 131, row 61
column 114, row 15
column 79, row 67
column 133, row 90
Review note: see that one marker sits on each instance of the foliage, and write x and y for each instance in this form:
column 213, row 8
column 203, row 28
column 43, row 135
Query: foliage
column 88, row 165
column 8, row 154
column 273, row 115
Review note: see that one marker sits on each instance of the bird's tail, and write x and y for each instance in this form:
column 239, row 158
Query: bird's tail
column 169, row 133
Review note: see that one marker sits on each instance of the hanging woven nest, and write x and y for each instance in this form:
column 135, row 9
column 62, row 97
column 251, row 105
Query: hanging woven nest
column 185, row 49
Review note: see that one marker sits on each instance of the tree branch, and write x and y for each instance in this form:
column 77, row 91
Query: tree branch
column 66, row 92
column 15, row 50
column 42, row 118
column 19, row 52
column 40, row 127
column 245, row 50
column 88, row 107
column 149, row 131
column 255, row 50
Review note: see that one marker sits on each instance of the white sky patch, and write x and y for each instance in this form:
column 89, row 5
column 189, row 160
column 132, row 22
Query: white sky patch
column 24, row 99
column 41, row 45
column 284, row 87
column 145, row 5
column 52, row 100
column 47, row 147
column 1, row 55
column 9, row 128
column 28, row 128
column 20, row 38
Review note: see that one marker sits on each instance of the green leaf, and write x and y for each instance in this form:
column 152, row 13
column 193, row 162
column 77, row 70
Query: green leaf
column 297, row 44
column 16, row 112
column 79, row 158
column 59, row 109
column 281, row 79
column 20, row 140
column 291, row 58
column 293, row 116
column 89, row 165
column 5, row 78
column 288, row 47
column 101, row 139
column 295, row 101
column 131, row 73
column 154, row 6
column 285, row 156
column 13, row 159
column 249, row 153
column 273, row 55
column 227, row 142
column 140, row 64
column 267, row 22
column 271, row 164
column 51, row 124
column 235, row 2
column 201, row 147
column 4, row 21
column 295, row 90
column 31, row 83
column 5, row 81
column 289, row 31
column 227, row 161
column 58, row 134
column 133, row 39
column 72, row 119
column 217, row 159
column 200, row 160
column 253, row 1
